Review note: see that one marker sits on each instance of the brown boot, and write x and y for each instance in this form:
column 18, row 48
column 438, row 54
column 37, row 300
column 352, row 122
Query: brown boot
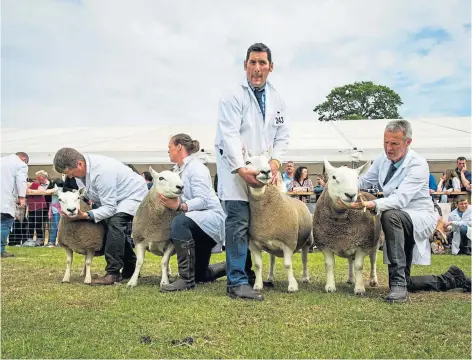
column 108, row 279
column 5, row 254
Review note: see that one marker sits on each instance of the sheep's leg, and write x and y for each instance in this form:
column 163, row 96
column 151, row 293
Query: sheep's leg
column 329, row 268
column 350, row 271
column 165, row 263
column 359, row 288
column 292, row 282
column 305, row 276
column 258, row 284
column 88, row 267
column 271, row 277
column 84, row 269
column 169, row 270
column 70, row 257
column 140, row 252
column 373, row 269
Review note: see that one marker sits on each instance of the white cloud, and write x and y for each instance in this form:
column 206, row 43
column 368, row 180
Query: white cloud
column 160, row 62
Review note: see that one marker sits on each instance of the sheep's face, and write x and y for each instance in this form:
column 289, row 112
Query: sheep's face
column 343, row 183
column 70, row 201
column 167, row 183
column 259, row 163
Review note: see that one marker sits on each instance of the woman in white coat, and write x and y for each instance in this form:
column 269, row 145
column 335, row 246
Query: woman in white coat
column 201, row 225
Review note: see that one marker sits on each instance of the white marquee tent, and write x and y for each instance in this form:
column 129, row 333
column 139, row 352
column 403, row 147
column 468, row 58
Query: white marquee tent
column 438, row 139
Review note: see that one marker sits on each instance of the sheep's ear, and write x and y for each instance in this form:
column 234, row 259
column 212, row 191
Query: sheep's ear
column 81, row 191
column 328, row 167
column 361, row 170
column 154, row 173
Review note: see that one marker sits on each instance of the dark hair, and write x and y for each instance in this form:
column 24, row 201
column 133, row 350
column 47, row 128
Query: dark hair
column 259, row 47
column 298, row 173
column 461, row 158
column 67, row 158
column 192, row 146
column 461, row 198
column 147, row 175
column 59, row 183
column 23, row 156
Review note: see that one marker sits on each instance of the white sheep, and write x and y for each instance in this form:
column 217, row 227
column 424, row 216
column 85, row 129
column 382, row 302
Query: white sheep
column 79, row 236
column 279, row 224
column 152, row 223
column 348, row 233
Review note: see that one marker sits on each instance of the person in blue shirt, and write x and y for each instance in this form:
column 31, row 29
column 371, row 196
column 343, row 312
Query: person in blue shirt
column 287, row 176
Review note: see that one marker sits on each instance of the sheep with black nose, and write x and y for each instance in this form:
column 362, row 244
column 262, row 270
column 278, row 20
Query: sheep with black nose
column 152, row 223
column 343, row 231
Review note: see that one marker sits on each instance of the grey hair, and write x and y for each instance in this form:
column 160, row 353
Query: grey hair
column 400, row 125
column 67, row 158
column 42, row 173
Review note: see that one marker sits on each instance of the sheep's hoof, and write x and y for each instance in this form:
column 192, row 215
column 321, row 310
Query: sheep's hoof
column 306, row 280
column 65, row 281
column 293, row 288
column 359, row 291
column 330, row 288
column 131, row 284
column 350, row 281
column 88, row 282
column 269, row 283
column 373, row 282
column 258, row 287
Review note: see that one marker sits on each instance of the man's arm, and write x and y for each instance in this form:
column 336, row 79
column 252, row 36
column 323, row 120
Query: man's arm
column 229, row 118
column 107, row 194
column 371, row 177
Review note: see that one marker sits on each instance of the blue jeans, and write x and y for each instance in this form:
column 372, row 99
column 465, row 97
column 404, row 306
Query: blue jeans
column 54, row 225
column 236, row 241
column 7, row 223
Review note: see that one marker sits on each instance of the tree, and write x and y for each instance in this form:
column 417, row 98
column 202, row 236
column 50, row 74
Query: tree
column 361, row 100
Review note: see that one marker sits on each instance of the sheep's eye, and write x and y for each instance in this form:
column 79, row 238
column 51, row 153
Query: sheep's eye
column 248, row 163
column 161, row 178
column 334, row 177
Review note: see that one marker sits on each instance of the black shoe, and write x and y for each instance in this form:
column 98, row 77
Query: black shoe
column 244, row 292
column 397, row 294
column 186, row 258
column 462, row 281
column 6, row 254
column 215, row 271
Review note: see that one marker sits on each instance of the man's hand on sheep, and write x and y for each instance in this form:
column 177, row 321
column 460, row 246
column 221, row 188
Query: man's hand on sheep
column 368, row 205
column 81, row 215
column 249, row 176
column 274, row 168
column 169, row 203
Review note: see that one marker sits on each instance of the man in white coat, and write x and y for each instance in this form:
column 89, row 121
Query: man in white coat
column 14, row 175
column 407, row 214
column 253, row 114
column 460, row 223
column 117, row 191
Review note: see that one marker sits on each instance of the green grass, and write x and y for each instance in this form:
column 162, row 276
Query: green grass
column 43, row 318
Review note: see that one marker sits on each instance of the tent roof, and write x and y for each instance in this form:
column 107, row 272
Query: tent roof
column 435, row 138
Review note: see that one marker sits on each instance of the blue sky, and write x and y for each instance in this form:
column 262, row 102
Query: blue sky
column 158, row 62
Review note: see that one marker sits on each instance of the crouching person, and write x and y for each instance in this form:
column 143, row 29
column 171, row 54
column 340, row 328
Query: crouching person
column 117, row 191
column 201, row 224
column 407, row 215
column 460, row 223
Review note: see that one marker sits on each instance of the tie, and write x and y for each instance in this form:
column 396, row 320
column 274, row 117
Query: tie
column 259, row 94
column 391, row 171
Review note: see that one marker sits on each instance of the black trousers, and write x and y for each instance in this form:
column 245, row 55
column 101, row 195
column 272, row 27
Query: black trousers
column 36, row 221
column 118, row 251
column 399, row 244
column 184, row 229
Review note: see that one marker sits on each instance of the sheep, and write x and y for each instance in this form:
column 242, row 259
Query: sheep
column 348, row 233
column 82, row 237
column 279, row 224
column 151, row 225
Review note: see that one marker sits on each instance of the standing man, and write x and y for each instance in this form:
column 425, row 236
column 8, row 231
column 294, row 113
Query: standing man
column 407, row 212
column 117, row 191
column 253, row 115
column 14, row 174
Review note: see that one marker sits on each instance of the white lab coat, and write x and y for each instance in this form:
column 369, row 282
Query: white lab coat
column 203, row 205
column 240, row 121
column 14, row 174
column 457, row 222
column 407, row 190
column 113, row 186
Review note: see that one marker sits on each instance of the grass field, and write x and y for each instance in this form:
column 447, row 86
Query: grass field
column 43, row 318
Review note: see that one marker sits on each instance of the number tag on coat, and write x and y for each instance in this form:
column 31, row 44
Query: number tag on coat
column 279, row 119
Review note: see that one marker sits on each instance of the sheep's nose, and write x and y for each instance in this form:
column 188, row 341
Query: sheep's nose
column 265, row 172
column 350, row 196
column 180, row 187
column 71, row 209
